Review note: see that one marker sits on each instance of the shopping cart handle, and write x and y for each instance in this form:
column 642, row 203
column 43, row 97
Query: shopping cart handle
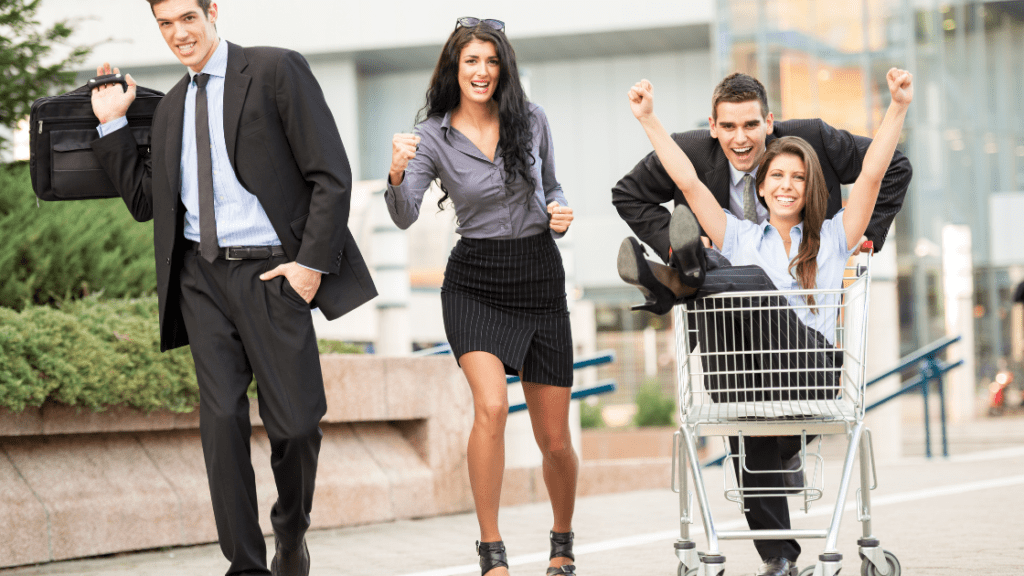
column 867, row 246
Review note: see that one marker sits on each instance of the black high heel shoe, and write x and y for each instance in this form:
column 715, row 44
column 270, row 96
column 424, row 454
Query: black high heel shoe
column 687, row 249
column 633, row 269
column 492, row 555
column 561, row 547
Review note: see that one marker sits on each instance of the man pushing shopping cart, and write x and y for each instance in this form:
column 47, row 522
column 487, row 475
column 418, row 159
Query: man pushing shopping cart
column 773, row 366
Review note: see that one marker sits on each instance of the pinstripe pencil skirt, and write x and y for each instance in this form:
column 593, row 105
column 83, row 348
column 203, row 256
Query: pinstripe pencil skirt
column 507, row 297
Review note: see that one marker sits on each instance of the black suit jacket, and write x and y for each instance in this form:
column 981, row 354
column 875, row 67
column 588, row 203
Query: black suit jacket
column 285, row 149
column 638, row 195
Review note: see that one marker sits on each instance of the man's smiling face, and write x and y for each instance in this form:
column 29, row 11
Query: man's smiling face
column 741, row 131
column 189, row 33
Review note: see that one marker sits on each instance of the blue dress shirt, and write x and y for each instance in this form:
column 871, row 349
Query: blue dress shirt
column 746, row 243
column 736, row 193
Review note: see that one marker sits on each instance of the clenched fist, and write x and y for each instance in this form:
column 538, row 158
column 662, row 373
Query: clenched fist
column 561, row 217
column 901, row 85
column 641, row 99
column 403, row 149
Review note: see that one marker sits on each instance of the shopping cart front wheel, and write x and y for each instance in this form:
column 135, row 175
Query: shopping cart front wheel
column 868, row 568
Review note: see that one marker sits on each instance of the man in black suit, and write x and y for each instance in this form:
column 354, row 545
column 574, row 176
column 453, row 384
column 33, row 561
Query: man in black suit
column 248, row 186
column 741, row 127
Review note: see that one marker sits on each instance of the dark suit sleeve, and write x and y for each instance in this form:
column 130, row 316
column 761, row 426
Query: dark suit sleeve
column 318, row 152
column 131, row 172
column 845, row 153
column 639, row 196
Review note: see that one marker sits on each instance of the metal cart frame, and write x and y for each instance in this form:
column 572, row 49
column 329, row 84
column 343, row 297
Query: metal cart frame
column 788, row 399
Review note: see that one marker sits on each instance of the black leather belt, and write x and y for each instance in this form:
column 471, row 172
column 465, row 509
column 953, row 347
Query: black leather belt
column 244, row 252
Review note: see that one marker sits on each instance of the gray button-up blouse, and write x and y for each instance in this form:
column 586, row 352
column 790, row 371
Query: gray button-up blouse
column 485, row 204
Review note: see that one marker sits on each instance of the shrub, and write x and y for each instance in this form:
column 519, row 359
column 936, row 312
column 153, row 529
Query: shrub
column 56, row 251
column 590, row 414
column 96, row 353
column 92, row 353
column 653, row 406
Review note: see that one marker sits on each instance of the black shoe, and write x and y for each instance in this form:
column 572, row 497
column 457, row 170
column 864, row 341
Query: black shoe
column 561, row 547
column 777, row 567
column 294, row 563
column 634, row 269
column 687, row 249
column 492, row 555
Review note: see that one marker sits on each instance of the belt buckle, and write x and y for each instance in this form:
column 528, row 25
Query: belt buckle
column 228, row 256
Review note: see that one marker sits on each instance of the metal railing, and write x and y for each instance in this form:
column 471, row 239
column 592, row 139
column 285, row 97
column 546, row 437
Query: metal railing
column 602, row 387
column 930, row 369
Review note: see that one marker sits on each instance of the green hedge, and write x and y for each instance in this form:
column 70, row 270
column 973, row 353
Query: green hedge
column 97, row 353
column 56, row 251
column 92, row 353
column 653, row 406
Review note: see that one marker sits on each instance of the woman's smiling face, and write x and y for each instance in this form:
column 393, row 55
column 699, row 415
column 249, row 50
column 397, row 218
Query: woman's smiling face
column 479, row 68
column 784, row 187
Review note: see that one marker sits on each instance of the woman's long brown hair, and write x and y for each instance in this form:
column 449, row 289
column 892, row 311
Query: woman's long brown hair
column 805, row 266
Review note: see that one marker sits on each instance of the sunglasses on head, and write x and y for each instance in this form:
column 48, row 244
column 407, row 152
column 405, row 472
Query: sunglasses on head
column 469, row 22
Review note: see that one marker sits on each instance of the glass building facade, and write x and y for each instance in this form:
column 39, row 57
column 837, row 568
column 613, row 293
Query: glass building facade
column 964, row 135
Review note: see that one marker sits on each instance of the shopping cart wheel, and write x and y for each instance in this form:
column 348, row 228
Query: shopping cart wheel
column 684, row 572
column 867, row 568
column 809, row 571
column 712, row 565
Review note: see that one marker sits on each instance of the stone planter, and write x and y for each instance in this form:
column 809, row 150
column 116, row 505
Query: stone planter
column 77, row 483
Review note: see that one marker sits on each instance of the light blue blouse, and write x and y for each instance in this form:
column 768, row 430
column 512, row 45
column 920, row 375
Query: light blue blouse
column 747, row 243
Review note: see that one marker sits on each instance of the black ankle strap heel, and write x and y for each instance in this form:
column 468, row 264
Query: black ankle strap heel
column 561, row 547
column 492, row 555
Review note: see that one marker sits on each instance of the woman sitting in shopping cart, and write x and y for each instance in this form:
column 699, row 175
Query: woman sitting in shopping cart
column 797, row 241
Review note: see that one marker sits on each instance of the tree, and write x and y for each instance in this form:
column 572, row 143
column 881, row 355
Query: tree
column 28, row 63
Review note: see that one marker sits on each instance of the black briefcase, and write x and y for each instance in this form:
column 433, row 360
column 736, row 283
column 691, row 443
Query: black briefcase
column 62, row 162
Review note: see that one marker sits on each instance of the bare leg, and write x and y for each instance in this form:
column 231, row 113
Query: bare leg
column 549, row 415
column 486, row 452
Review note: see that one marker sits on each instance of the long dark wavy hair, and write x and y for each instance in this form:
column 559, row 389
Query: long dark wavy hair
column 444, row 95
column 805, row 266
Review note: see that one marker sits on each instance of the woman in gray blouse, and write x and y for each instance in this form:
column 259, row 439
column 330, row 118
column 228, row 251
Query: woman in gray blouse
column 503, row 296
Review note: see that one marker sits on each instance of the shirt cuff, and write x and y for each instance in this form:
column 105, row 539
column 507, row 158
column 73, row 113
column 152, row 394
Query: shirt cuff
column 313, row 269
column 115, row 124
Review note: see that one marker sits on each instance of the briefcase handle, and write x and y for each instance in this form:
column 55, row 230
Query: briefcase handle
column 108, row 79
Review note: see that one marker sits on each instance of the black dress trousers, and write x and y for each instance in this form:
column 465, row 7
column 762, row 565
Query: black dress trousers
column 238, row 326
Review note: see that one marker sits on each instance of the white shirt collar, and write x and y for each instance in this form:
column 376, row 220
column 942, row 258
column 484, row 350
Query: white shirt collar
column 766, row 226
column 217, row 65
column 735, row 175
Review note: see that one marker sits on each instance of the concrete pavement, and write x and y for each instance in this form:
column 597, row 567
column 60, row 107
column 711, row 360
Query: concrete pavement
column 964, row 515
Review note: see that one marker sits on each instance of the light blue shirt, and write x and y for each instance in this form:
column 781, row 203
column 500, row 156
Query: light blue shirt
column 736, row 194
column 746, row 243
column 241, row 220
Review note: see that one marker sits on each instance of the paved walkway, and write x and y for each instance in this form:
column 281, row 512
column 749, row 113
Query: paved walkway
column 964, row 515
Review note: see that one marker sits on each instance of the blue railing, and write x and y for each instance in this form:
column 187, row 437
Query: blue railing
column 930, row 369
column 602, row 387
column 435, row 351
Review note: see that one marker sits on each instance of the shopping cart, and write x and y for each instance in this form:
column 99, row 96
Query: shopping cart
column 749, row 366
